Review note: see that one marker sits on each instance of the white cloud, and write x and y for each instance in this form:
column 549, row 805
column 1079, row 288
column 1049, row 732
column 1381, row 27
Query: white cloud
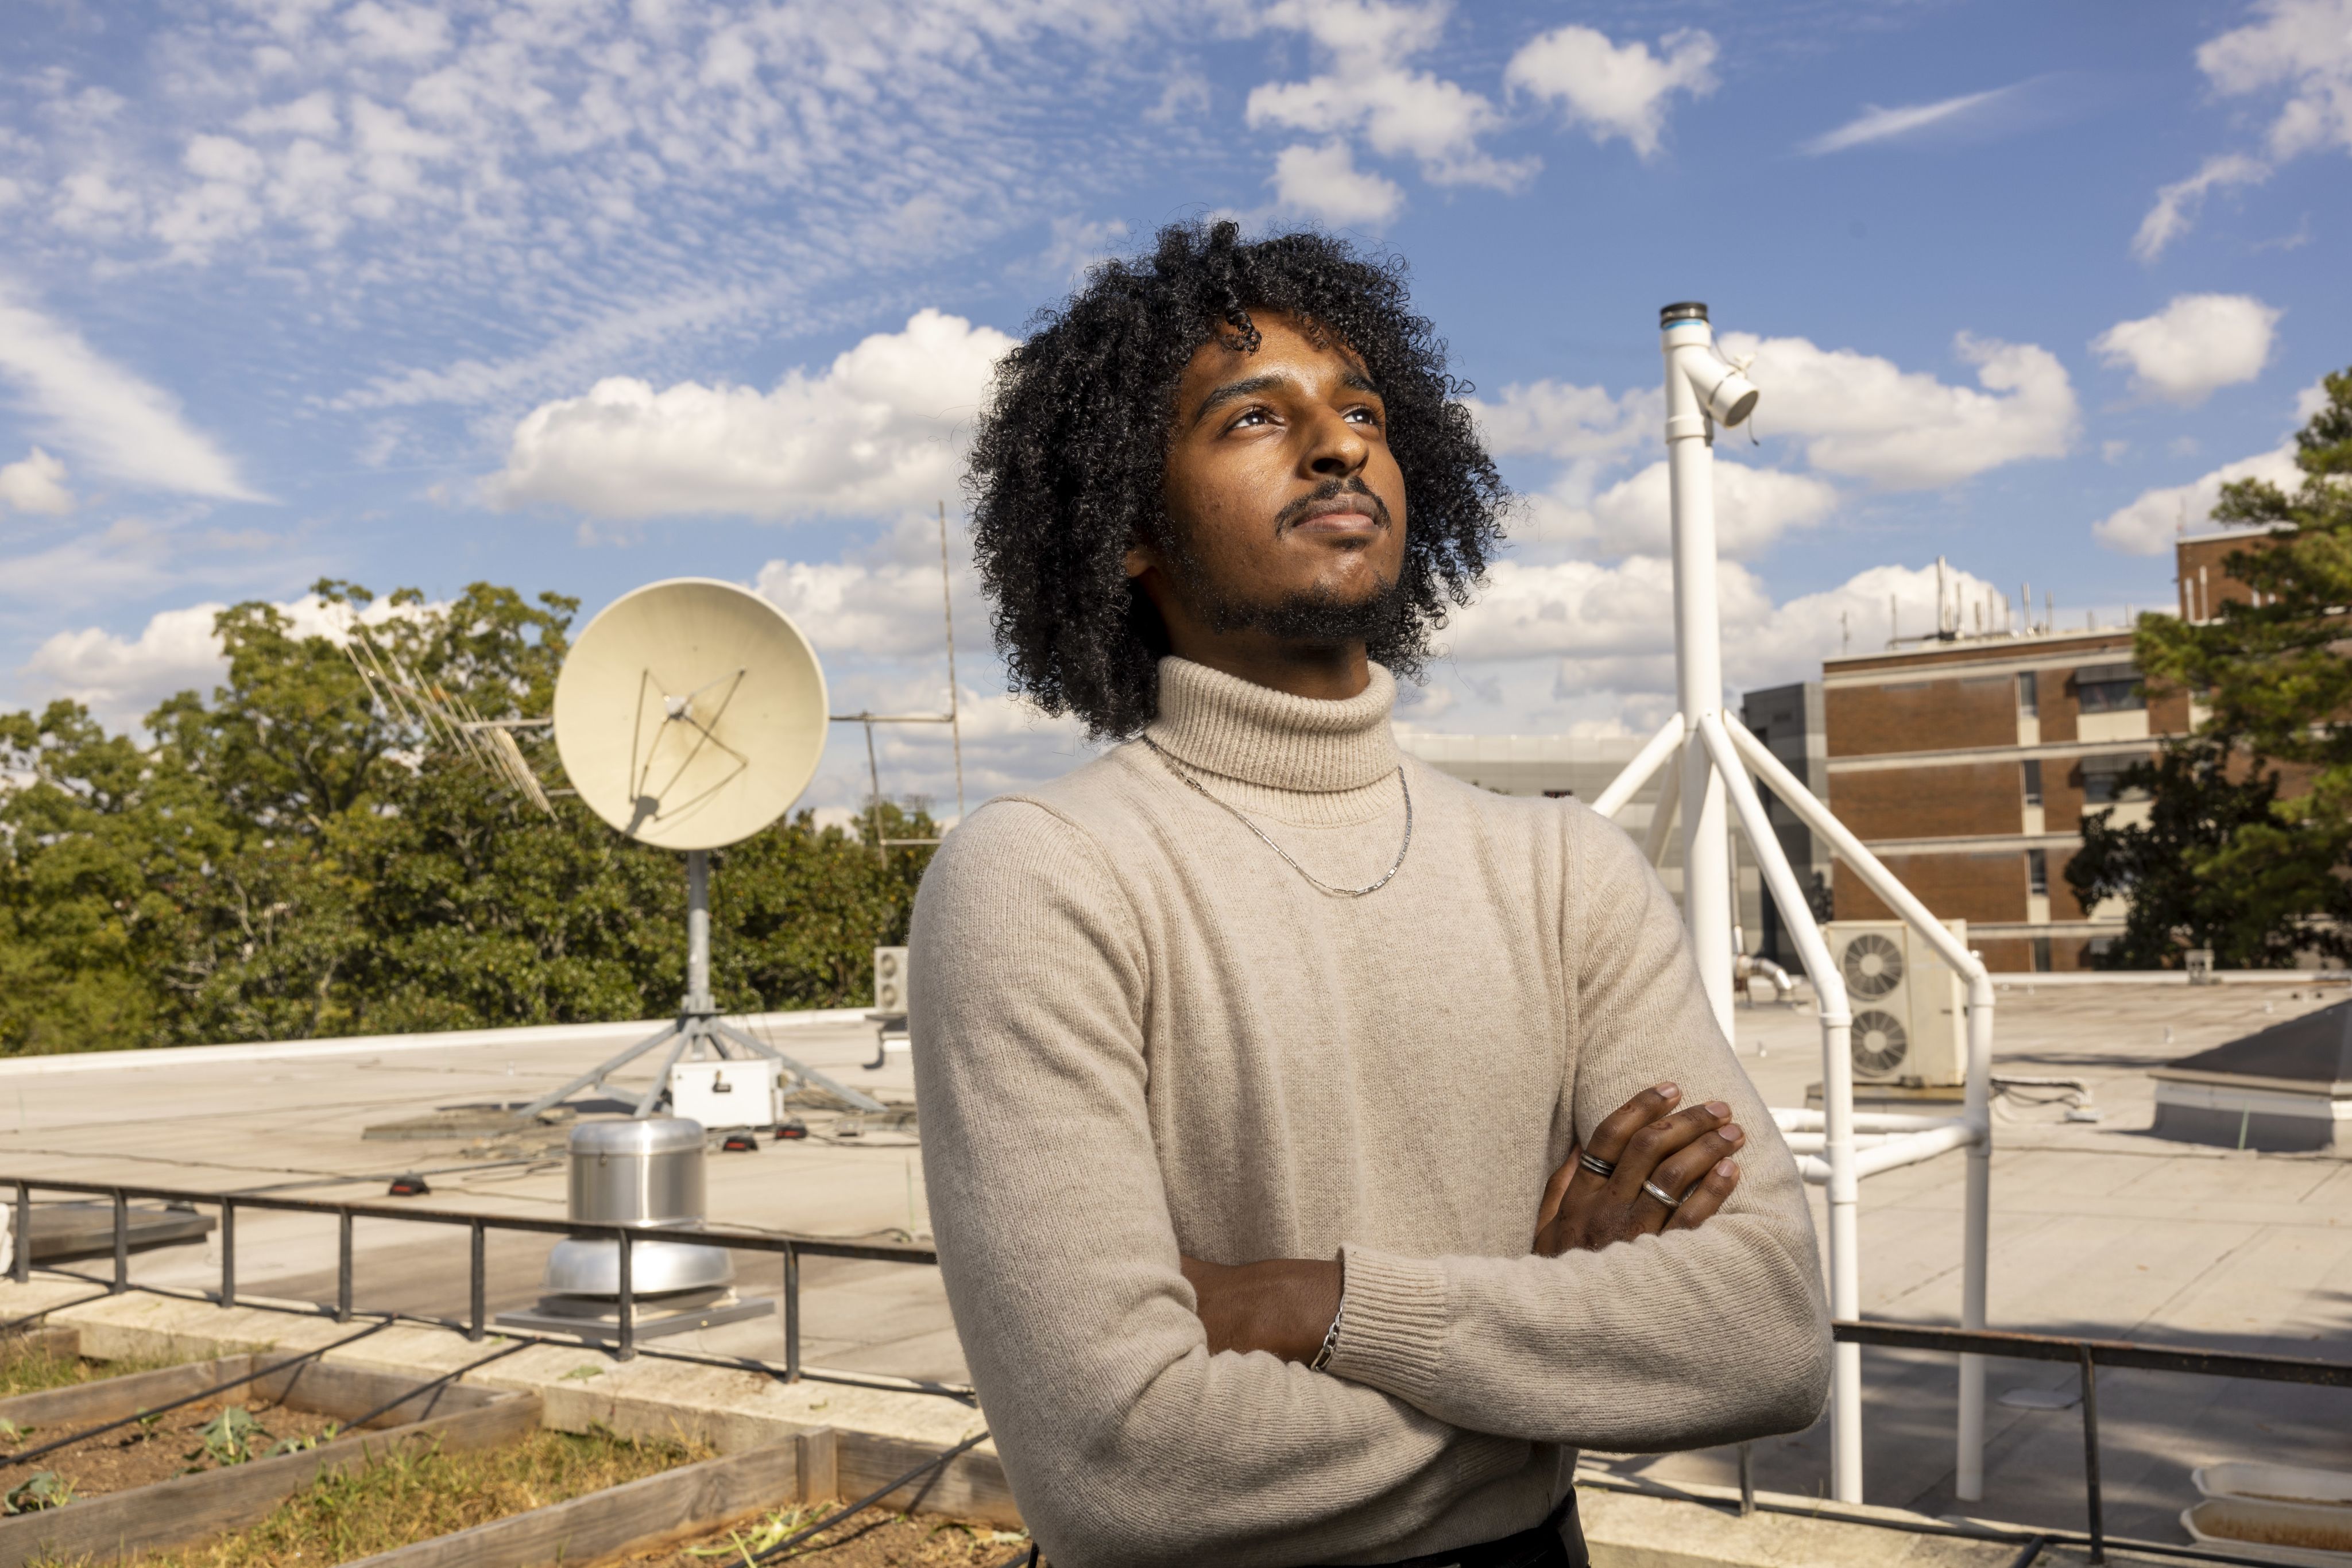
column 2303, row 46
column 2195, row 345
column 121, row 678
column 535, row 182
column 881, row 429
column 1612, row 89
column 1753, row 509
column 1323, row 181
column 1876, row 124
column 874, row 610
column 2149, row 524
column 1609, row 629
column 36, row 483
column 109, row 417
column 1866, row 418
column 2299, row 51
column 1559, row 418
column 1370, row 92
column 2177, row 204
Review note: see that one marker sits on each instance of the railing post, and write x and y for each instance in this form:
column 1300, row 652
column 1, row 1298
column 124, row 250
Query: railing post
column 343, row 1266
column 792, row 1314
column 627, row 1348
column 228, row 1252
column 477, row 1284
column 1746, row 1480
column 121, row 1242
column 20, row 1259
column 2091, row 1456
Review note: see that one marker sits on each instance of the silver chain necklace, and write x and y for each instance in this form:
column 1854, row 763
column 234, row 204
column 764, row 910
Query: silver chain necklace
column 1239, row 816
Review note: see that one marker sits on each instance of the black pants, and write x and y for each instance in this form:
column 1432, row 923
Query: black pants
column 1557, row 1542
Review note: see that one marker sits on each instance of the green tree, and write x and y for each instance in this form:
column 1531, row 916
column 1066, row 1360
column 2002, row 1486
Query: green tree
column 310, row 851
column 2202, row 814
column 2225, row 860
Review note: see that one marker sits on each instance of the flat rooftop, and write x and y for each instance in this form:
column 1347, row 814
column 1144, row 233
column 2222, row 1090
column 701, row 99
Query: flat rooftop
column 2098, row 1229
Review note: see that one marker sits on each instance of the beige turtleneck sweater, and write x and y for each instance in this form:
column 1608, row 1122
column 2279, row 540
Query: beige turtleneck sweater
column 1138, row 1034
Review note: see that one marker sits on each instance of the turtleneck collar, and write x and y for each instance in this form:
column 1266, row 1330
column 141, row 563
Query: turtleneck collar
column 1222, row 724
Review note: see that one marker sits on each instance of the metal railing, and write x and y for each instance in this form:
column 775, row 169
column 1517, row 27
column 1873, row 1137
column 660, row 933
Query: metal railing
column 475, row 1324
column 2087, row 1355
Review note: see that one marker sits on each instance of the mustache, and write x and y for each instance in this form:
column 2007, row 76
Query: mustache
column 1331, row 489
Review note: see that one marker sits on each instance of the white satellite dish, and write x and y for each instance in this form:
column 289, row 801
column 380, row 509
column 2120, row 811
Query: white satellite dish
column 690, row 714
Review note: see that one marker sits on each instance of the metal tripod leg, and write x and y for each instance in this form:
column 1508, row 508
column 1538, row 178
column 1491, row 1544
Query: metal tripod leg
column 805, row 1074
column 661, row 1074
column 598, row 1073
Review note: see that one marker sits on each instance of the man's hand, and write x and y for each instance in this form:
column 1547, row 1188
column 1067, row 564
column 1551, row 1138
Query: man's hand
column 1683, row 1153
column 1284, row 1304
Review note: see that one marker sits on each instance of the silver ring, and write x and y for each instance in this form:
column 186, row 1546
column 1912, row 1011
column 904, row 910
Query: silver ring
column 1602, row 1168
column 1654, row 1191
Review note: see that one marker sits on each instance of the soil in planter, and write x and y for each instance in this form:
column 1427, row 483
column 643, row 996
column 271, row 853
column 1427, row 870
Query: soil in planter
column 868, row 1540
column 408, row 1498
column 173, row 1444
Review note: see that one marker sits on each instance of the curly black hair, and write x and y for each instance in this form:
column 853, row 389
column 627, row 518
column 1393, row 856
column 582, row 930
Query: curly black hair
column 1067, row 459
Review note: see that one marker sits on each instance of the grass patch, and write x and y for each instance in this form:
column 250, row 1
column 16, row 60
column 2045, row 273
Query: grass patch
column 29, row 1366
column 406, row 1498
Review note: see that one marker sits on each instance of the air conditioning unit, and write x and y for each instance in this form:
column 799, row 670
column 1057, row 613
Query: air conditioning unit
column 1910, row 1007
column 891, row 980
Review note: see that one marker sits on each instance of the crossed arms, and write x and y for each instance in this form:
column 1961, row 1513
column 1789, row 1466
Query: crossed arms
column 1129, row 1436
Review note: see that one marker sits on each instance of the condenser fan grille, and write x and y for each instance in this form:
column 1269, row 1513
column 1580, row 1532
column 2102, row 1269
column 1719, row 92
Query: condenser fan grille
column 1874, row 966
column 1880, row 1043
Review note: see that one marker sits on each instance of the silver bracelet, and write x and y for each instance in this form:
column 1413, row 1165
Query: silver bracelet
column 1322, row 1361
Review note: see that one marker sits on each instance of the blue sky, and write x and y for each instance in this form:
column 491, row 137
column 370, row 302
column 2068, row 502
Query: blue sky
column 576, row 296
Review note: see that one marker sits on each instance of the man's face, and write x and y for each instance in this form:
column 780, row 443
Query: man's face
column 1287, row 508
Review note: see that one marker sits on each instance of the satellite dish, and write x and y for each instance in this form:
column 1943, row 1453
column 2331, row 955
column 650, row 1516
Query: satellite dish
column 690, row 714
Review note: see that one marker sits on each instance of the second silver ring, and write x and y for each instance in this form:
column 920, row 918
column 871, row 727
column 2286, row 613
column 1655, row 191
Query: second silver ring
column 1654, row 1191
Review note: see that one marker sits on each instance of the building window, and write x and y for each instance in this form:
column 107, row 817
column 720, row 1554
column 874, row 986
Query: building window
column 2042, row 955
column 2029, row 694
column 2037, row 871
column 2032, row 767
column 2109, row 688
column 2103, row 779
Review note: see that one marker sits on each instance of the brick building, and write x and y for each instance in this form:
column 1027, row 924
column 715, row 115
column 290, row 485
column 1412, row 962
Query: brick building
column 1967, row 763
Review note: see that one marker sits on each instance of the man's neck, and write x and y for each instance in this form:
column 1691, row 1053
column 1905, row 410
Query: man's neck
column 1328, row 672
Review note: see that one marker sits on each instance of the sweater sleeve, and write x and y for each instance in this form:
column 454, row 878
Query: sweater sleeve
column 1681, row 1340
column 1126, row 1442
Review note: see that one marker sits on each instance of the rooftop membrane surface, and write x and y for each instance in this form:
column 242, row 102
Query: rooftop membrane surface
column 2099, row 1230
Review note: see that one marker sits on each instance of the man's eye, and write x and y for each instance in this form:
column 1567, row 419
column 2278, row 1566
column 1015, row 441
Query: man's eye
column 1370, row 416
column 1253, row 416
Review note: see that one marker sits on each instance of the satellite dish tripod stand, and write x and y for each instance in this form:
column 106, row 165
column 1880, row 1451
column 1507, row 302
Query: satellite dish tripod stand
column 698, row 1032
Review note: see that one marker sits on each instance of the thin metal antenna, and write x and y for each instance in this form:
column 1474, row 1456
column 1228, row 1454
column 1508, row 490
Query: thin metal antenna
column 955, row 692
column 874, row 797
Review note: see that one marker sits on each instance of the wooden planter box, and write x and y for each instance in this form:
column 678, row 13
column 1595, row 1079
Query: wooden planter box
column 193, row 1508
column 696, row 1500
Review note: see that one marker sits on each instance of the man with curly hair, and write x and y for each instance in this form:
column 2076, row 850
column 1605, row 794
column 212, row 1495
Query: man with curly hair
column 1321, row 1150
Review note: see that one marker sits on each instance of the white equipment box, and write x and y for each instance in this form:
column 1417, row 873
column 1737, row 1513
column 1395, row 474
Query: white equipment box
column 720, row 1095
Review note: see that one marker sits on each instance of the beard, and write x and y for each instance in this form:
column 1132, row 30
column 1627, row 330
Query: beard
column 1316, row 617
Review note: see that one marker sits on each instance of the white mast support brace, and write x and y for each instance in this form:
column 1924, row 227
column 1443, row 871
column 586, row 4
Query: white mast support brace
column 1968, row 1482
column 1628, row 784
column 1837, row 1103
